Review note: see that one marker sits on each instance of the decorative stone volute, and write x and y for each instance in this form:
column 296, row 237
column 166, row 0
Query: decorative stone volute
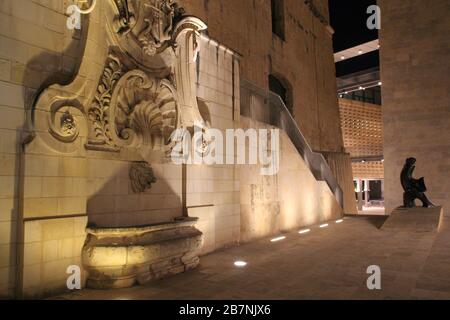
column 145, row 90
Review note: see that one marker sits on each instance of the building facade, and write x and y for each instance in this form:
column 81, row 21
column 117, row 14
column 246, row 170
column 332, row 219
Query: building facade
column 416, row 104
column 87, row 118
column 362, row 129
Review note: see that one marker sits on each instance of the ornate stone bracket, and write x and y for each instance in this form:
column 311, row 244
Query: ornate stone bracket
column 144, row 91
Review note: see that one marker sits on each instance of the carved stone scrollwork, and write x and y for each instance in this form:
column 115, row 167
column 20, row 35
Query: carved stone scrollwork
column 99, row 111
column 149, row 23
column 132, row 109
column 62, row 125
column 156, row 24
column 125, row 18
column 145, row 90
column 141, row 176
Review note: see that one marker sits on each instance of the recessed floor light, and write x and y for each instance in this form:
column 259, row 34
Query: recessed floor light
column 278, row 239
column 240, row 264
column 324, row 225
column 339, row 221
column 304, row 231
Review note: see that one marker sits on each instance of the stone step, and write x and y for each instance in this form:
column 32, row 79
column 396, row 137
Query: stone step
column 416, row 219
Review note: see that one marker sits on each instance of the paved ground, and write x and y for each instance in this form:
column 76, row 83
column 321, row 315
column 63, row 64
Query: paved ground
column 327, row 263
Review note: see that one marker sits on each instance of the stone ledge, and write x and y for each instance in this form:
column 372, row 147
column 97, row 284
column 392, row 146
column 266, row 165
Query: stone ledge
column 122, row 257
column 415, row 219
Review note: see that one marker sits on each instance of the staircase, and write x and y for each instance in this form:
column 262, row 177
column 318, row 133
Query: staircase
column 274, row 112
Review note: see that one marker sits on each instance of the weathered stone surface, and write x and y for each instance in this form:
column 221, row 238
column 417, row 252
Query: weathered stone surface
column 415, row 219
column 119, row 258
column 303, row 60
column 416, row 114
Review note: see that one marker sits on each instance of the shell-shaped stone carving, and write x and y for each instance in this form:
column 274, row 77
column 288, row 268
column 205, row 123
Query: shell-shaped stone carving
column 154, row 120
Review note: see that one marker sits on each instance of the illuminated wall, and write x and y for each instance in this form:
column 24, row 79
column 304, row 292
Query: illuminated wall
column 416, row 102
column 50, row 192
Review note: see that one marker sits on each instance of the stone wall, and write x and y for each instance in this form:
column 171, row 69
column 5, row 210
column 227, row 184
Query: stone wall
column 304, row 61
column 291, row 199
column 416, row 96
column 213, row 191
column 35, row 48
column 342, row 167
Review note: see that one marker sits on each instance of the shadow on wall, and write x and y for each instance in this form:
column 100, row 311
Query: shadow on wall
column 115, row 202
column 48, row 68
column 204, row 111
column 40, row 72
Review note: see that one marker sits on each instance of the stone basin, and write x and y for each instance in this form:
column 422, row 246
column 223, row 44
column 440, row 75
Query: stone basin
column 123, row 257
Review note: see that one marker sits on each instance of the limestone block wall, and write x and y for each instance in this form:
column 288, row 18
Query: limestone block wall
column 213, row 191
column 291, row 199
column 341, row 166
column 235, row 202
column 416, row 96
column 303, row 61
column 35, row 48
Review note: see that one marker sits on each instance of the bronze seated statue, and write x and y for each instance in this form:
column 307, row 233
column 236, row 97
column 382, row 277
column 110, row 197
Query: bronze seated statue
column 414, row 188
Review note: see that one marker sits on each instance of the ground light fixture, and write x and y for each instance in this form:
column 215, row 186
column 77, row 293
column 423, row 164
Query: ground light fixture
column 340, row 221
column 304, row 231
column 323, row 225
column 278, row 239
column 240, row 264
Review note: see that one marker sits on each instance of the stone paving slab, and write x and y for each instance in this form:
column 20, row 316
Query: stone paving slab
column 415, row 219
column 327, row 263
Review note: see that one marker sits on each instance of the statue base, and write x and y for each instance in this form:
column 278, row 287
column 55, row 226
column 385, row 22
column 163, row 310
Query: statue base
column 121, row 257
column 415, row 219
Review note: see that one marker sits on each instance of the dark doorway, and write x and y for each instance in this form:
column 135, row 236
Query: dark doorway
column 375, row 190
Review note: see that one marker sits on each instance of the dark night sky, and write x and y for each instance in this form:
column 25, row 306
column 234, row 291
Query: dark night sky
column 349, row 18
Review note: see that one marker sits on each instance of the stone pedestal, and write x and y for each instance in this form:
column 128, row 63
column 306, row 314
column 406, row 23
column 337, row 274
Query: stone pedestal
column 416, row 219
column 122, row 257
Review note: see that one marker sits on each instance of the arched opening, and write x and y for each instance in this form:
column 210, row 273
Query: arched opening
column 281, row 88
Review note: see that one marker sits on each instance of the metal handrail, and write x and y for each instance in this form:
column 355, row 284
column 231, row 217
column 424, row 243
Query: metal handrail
column 281, row 117
column 314, row 160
